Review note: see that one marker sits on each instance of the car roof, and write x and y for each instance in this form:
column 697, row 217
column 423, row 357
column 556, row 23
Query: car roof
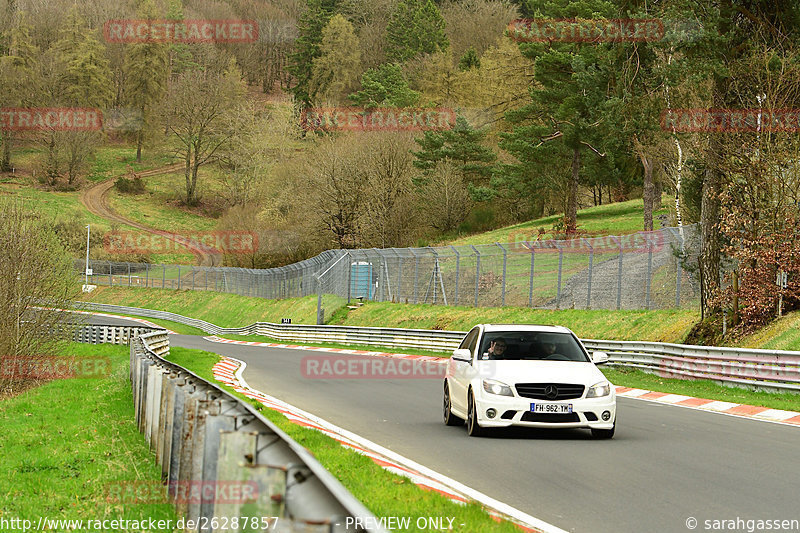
column 525, row 327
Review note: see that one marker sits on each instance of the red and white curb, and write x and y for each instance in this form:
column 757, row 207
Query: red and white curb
column 426, row 358
column 229, row 371
column 726, row 408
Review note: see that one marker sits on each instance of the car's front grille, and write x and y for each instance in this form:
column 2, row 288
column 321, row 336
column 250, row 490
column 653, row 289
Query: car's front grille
column 550, row 391
column 508, row 415
column 590, row 416
column 556, row 418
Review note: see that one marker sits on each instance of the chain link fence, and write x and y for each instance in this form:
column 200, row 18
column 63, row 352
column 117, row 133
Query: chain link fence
column 645, row 270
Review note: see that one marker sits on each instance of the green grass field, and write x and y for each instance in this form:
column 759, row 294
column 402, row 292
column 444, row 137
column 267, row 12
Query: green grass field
column 66, row 443
column 230, row 310
column 611, row 219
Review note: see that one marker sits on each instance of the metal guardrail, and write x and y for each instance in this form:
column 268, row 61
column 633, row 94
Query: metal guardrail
column 771, row 370
column 100, row 334
column 203, row 435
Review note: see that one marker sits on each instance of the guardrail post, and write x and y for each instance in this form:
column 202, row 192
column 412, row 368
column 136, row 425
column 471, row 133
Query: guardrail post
column 216, row 422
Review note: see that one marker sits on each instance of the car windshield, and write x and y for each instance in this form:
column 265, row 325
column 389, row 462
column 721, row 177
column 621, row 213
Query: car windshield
column 531, row 345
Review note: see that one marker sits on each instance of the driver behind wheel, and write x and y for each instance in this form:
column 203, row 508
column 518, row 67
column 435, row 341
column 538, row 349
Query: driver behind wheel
column 548, row 348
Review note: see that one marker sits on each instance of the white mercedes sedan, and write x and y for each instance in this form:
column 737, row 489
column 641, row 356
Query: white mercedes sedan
column 524, row 375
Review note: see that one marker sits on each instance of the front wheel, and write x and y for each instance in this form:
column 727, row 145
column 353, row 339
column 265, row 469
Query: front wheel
column 473, row 428
column 603, row 433
column 449, row 418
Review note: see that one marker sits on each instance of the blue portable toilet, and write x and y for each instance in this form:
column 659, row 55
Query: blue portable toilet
column 361, row 285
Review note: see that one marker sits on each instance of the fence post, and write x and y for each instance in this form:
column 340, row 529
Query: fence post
column 530, row 285
column 560, row 266
column 399, row 274
column 110, row 277
column 146, row 274
column 649, row 272
column 129, row 273
column 678, row 275
column 193, row 274
column 505, row 263
column 589, row 281
column 163, row 276
column 619, row 272
column 179, row 277
column 458, row 260
column 477, row 271
column 349, row 277
column 416, row 273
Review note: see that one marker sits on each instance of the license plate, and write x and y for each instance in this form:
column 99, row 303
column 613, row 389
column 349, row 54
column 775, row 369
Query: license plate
column 555, row 408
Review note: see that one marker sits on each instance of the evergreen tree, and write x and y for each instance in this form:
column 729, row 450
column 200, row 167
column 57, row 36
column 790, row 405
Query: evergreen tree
column 307, row 48
column 17, row 66
column 146, row 68
column 463, row 147
column 385, row 86
column 469, row 60
column 416, row 27
column 335, row 71
column 566, row 105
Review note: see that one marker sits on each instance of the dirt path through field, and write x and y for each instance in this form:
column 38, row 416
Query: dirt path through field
column 95, row 199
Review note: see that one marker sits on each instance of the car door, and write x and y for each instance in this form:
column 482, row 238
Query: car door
column 463, row 372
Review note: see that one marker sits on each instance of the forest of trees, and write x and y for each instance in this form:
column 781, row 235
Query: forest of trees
column 543, row 127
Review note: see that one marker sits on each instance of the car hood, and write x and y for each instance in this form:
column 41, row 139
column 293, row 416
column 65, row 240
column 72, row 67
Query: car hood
column 511, row 372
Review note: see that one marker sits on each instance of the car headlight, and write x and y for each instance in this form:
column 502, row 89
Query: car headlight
column 496, row 387
column 599, row 390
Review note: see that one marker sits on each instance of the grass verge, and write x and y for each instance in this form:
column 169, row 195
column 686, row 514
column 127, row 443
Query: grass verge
column 65, row 441
column 384, row 493
column 231, row 310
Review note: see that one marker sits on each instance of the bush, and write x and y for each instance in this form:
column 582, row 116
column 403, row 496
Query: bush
column 134, row 185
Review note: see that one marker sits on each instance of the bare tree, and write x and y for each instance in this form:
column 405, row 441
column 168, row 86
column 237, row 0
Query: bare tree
column 33, row 268
column 200, row 116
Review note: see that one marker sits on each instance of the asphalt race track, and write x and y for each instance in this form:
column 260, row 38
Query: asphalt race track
column 664, row 465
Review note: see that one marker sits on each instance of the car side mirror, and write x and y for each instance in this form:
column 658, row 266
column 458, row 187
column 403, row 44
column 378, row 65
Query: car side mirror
column 599, row 358
column 462, row 354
